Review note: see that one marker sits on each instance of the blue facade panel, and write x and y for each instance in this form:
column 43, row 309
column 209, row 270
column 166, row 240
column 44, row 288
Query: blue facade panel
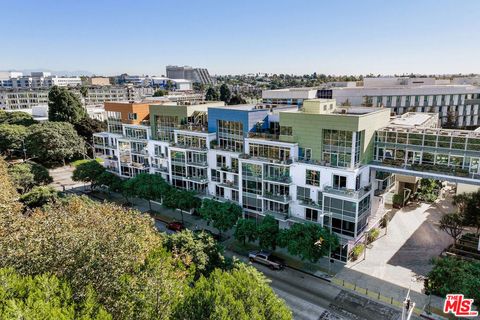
column 247, row 117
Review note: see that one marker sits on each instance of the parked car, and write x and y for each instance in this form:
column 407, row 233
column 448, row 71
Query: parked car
column 213, row 235
column 175, row 226
column 266, row 258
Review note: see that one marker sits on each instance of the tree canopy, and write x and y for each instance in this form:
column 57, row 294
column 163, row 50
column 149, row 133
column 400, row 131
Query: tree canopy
column 88, row 172
column 12, row 137
column 246, row 229
column 199, row 251
column 450, row 274
column 54, row 142
column 223, row 215
column 39, row 196
column 241, row 294
column 64, row 106
column 267, row 231
column 147, row 186
column 26, row 175
column 86, row 127
column 225, row 94
column 44, row 297
column 309, row 241
column 16, row 117
column 212, row 94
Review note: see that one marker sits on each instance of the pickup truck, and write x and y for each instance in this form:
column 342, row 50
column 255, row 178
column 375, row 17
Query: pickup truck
column 267, row 259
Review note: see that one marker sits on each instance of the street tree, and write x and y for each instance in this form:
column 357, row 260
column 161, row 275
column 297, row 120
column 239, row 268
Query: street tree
column 212, row 94
column 54, row 142
column 268, row 232
column 64, row 106
column 225, row 94
column 242, row 293
column 452, row 224
column 88, row 172
column 198, row 251
column 246, row 230
column 222, row 215
column 183, row 200
column 44, row 297
column 39, row 196
column 12, row 138
column 111, row 181
column 147, row 186
column 308, row 241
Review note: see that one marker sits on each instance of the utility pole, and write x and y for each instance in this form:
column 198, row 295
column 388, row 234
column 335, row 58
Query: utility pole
column 408, row 306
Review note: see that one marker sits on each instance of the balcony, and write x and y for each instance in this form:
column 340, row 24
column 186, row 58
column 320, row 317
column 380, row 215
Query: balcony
column 282, row 216
column 229, row 184
column 141, row 152
column 198, row 179
column 193, row 127
column 264, row 136
column 197, row 163
column 178, row 161
column 310, row 203
column 282, row 179
column 349, row 193
column 189, row 147
column 228, row 169
column 283, row 198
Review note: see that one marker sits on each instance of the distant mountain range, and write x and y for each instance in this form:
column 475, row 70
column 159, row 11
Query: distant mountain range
column 73, row 73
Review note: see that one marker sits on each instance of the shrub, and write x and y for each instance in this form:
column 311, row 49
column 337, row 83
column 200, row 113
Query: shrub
column 373, row 235
column 357, row 251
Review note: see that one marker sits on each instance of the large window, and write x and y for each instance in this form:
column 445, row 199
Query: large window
column 311, row 214
column 114, row 120
column 303, row 193
column 339, row 182
column 230, row 135
column 136, row 133
column 252, row 203
column 165, row 126
column 194, row 142
column 337, row 147
column 312, row 178
column 270, row 152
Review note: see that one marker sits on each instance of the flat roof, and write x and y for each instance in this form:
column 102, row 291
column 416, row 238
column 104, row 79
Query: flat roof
column 412, row 119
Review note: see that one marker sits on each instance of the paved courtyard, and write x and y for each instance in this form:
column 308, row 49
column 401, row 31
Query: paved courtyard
column 401, row 258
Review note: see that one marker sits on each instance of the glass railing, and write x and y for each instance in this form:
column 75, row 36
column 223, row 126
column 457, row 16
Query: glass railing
column 281, row 178
column 350, row 193
column 277, row 197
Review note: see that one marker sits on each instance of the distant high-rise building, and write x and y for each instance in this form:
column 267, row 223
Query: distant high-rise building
column 198, row 75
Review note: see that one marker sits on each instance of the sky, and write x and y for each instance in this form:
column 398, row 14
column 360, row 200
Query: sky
column 108, row 37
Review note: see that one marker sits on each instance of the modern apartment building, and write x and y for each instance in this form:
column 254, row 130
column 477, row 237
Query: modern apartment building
column 458, row 99
column 22, row 99
column 14, row 80
column 198, row 75
column 320, row 163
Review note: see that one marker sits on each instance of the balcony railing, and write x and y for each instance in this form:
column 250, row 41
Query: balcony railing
column 284, row 198
column 264, row 136
column 350, row 193
column 197, row 163
column 282, row 178
column 432, row 168
column 193, row 127
column 228, row 169
column 200, row 179
column 283, row 216
column 310, row 203
column 229, row 184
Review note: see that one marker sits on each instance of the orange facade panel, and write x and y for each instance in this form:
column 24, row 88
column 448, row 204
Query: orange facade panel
column 131, row 112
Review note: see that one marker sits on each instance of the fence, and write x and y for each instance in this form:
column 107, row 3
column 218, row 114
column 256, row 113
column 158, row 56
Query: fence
column 385, row 299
